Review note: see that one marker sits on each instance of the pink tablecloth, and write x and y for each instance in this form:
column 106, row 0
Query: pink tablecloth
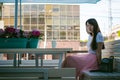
column 81, row 61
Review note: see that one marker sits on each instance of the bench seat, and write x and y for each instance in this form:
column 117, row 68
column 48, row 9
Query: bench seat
column 101, row 75
column 115, row 75
column 37, row 73
column 112, row 48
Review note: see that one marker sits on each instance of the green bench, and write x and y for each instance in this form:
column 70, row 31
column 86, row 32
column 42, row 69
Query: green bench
column 112, row 48
column 37, row 74
column 36, row 71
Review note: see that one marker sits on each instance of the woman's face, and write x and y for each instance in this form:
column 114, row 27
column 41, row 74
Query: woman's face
column 89, row 28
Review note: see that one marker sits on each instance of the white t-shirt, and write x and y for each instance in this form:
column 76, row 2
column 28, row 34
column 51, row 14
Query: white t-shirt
column 99, row 38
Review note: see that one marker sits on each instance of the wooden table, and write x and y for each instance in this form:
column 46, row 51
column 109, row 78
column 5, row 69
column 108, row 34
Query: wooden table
column 37, row 52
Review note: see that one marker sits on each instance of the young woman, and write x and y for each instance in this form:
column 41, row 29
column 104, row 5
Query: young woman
column 92, row 59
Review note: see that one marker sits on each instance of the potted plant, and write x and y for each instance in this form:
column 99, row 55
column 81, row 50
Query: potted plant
column 34, row 37
column 12, row 38
column 17, row 38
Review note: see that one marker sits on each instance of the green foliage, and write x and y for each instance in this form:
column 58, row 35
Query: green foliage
column 83, row 40
column 118, row 33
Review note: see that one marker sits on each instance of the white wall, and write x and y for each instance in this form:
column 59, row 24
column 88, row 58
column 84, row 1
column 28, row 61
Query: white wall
column 1, row 27
column 1, row 24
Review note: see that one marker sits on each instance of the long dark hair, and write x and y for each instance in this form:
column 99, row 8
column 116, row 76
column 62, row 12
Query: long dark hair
column 96, row 29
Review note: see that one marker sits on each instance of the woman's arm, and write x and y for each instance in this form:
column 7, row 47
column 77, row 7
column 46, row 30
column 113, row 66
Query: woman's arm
column 99, row 51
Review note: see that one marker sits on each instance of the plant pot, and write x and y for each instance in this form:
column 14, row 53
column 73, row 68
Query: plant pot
column 32, row 43
column 13, row 42
column 53, row 43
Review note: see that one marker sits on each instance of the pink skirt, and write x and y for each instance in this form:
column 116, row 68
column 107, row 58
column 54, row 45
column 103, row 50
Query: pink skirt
column 82, row 62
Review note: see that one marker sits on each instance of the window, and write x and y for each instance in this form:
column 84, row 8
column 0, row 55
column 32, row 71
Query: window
column 55, row 34
column 56, row 20
column 41, row 27
column 26, row 27
column 49, row 20
column 76, row 28
column 62, row 34
column 26, row 8
column 70, row 35
column 49, row 34
column 62, row 27
column 55, row 8
column 33, row 20
column 49, row 27
column 76, row 20
column 70, row 20
column 41, row 8
column 26, row 20
column 70, row 28
column 34, row 27
column 34, row 15
column 55, row 27
column 63, row 20
column 33, row 7
column 41, row 20
column 12, row 10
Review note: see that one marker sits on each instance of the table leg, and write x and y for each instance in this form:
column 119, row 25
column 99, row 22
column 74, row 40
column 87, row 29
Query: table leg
column 14, row 60
column 45, row 74
column 41, row 60
column 18, row 59
column 20, row 62
column 36, row 60
column 60, row 60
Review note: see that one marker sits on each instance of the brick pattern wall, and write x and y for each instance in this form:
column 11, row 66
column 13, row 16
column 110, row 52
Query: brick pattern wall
column 62, row 44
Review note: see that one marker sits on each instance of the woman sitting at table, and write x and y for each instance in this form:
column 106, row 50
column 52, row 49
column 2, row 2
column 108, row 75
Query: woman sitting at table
column 92, row 59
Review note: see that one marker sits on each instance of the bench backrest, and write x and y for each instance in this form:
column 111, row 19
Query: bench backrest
column 112, row 48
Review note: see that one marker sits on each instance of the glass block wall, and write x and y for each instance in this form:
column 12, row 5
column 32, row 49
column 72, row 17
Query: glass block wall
column 56, row 21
